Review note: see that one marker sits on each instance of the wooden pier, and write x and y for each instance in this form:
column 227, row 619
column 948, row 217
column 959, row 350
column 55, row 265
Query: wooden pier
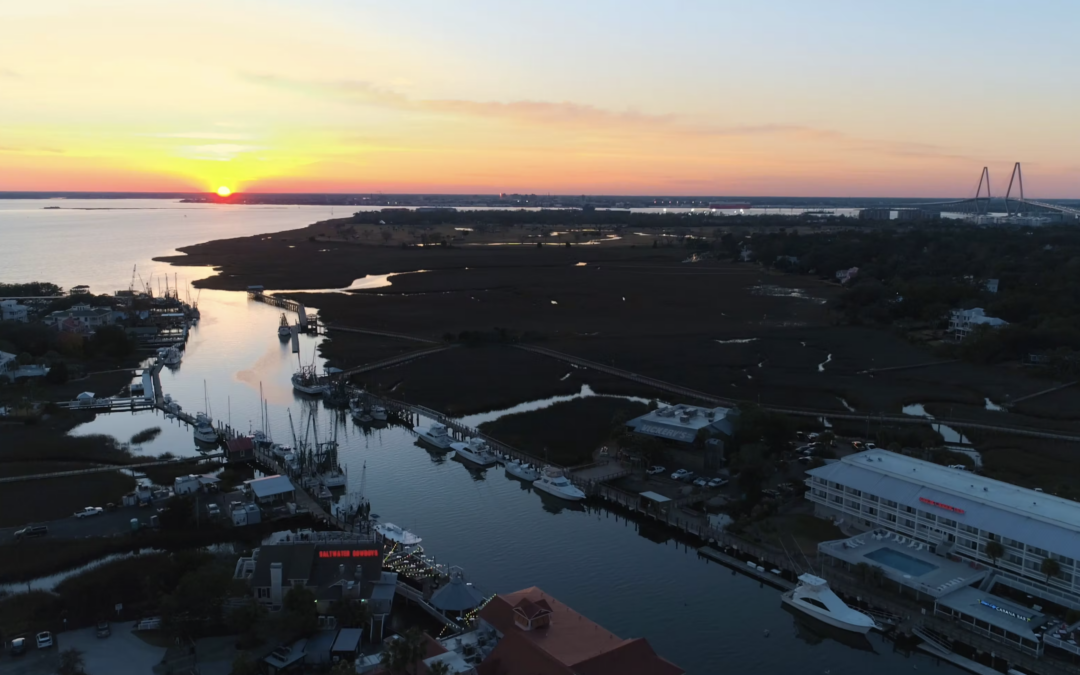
column 307, row 322
column 396, row 360
column 111, row 467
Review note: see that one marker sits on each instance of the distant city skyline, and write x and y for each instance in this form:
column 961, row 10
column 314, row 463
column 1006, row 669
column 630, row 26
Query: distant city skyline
column 834, row 98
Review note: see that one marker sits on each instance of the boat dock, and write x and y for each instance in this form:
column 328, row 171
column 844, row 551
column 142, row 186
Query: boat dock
column 308, row 323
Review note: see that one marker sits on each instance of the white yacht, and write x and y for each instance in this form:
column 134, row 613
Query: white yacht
column 170, row 356
column 435, row 434
column 204, row 430
column 814, row 597
column 284, row 331
column 307, row 381
column 378, row 413
column 334, row 478
column 476, row 450
column 554, row 482
column 525, row 472
column 392, row 532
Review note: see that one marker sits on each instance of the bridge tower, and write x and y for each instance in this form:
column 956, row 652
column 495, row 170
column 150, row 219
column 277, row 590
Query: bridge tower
column 984, row 205
column 1019, row 178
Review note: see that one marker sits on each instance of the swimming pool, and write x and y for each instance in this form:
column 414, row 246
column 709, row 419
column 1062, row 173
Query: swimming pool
column 901, row 561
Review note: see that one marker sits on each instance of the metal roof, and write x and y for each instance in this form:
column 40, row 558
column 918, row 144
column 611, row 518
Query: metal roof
column 270, row 486
column 348, row 640
column 1034, row 518
column 995, row 611
column 659, row 498
column 457, row 596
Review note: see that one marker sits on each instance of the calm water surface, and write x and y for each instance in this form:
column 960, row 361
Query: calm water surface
column 634, row 580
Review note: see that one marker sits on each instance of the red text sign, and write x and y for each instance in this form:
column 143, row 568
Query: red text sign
column 931, row 502
column 366, row 553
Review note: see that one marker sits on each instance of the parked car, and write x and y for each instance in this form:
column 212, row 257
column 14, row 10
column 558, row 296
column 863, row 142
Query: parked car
column 870, row 446
column 31, row 531
column 718, row 482
column 812, row 436
column 89, row 511
column 44, row 640
column 857, row 445
column 212, row 510
column 771, row 493
column 104, row 630
column 655, row 469
column 18, row 646
column 958, row 466
column 682, row 474
column 702, row 482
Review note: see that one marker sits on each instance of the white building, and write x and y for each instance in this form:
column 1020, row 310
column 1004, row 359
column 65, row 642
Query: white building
column 11, row 310
column 954, row 512
column 84, row 316
column 683, row 422
column 963, row 321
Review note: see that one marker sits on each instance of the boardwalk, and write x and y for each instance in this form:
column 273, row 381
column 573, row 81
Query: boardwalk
column 395, row 360
column 112, row 467
column 382, row 333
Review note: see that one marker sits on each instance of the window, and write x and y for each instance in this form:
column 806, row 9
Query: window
column 891, row 517
column 890, row 503
column 910, row 524
column 1036, row 551
column 836, row 499
column 872, row 498
column 928, row 516
column 871, row 510
column 816, row 603
column 853, row 491
column 945, row 522
column 969, row 529
column 852, row 504
column 907, row 509
column 263, row 593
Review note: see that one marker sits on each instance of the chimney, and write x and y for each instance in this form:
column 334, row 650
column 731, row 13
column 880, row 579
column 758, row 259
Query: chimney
column 275, row 584
column 341, row 570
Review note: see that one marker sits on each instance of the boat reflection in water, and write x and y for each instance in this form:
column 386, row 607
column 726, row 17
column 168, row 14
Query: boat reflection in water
column 814, row 631
column 556, row 505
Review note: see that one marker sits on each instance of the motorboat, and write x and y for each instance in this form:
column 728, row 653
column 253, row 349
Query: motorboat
column 204, row 430
column 476, row 450
column 378, row 413
column 435, row 434
column 170, row 356
column 523, row 471
column 284, row 330
column 307, row 381
column 814, row 597
column 555, row 483
column 392, row 532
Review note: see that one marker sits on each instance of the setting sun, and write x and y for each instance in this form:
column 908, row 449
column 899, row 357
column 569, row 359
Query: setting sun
column 223, row 191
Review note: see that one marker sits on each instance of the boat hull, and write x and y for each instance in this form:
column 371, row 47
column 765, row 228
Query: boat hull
column 516, row 471
column 205, row 437
column 811, row 611
column 473, row 458
column 441, row 442
column 555, row 492
column 316, row 390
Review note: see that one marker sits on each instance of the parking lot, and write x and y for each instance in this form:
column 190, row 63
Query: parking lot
column 122, row 653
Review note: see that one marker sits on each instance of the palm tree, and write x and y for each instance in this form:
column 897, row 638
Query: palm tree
column 439, row 668
column 995, row 550
column 414, row 648
column 1050, row 567
column 393, row 656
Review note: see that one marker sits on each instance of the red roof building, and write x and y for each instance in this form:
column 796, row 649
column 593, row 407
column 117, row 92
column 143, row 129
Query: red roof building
column 538, row 635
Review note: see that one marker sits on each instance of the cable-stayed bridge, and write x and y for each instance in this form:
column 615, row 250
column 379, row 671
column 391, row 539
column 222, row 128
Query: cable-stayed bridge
column 1014, row 204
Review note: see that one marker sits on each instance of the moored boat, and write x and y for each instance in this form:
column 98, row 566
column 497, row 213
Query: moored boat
column 814, row 597
column 307, row 381
column 170, row 356
column 476, row 450
column 378, row 413
column 392, row 532
column 524, row 472
column 204, row 429
column 555, row 483
column 435, row 434
column 284, row 331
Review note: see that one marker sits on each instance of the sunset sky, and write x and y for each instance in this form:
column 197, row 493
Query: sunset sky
column 713, row 97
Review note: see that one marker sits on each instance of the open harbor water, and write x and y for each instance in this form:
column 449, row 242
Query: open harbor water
column 635, row 580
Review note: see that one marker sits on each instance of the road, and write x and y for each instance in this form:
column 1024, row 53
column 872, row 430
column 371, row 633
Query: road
column 114, row 523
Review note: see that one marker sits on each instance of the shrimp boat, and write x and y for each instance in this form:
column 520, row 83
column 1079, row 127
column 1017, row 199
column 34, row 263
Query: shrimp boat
column 476, row 450
column 284, row 330
column 169, row 356
column 307, row 381
column 555, row 483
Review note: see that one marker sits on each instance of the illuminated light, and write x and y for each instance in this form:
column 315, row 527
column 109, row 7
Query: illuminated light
column 223, row 191
column 931, row 502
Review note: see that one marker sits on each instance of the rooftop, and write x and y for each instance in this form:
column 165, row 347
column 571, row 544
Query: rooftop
column 1032, row 517
column 295, row 562
column 569, row 643
column 270, row 486
column 996, row 611
column 682, row 422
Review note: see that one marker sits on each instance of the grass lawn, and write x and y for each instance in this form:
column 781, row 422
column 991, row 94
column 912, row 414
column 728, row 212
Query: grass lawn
column 567, row 433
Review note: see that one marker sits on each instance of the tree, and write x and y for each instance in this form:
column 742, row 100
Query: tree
column 439, row 668
column 300, row 611
column 197, row 601
column 351, row 614
column 58, row 374
column 403, row 653
column 1050, row 567
column 344, row 667
column 995, row 550
column 179, row 514
column 71, row 662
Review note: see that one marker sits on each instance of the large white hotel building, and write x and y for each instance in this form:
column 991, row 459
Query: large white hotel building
column 956, row 513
